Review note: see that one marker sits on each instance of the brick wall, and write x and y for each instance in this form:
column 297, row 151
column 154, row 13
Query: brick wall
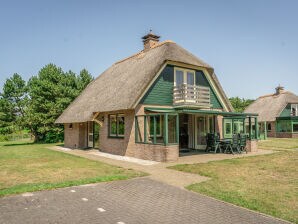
column 252, row 145
column 271, row 133
column 158, row 153
column 286, row 135
column 114, row 145
column 75, row 137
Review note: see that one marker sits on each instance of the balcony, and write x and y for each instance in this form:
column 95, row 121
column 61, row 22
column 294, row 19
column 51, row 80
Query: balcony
column 198, row 96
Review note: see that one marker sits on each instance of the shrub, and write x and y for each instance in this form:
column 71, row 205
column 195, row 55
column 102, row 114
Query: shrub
column 3, row 138
column 54, row 136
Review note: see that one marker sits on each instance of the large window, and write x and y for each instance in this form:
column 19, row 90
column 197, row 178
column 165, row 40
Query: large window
column 284, row 126
column 157, row 129
column 116, row 125
column 184, row 76
column 233, row 126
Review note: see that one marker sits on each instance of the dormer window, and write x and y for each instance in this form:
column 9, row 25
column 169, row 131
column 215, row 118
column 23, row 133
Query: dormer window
column 294, row 110
column 184, row 76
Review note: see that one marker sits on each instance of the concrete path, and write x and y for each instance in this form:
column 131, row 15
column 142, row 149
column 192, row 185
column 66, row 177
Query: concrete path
column 159, row 171
column 140, row 200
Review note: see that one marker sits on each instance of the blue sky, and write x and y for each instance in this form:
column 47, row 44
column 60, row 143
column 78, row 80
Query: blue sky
column 253, row 45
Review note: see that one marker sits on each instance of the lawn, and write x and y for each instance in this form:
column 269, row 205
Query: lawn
column 31, row 167
column 279, row 144
column 268, row 183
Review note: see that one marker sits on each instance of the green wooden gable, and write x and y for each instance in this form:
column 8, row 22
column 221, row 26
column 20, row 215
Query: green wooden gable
column 161, row 91
column 286, row 111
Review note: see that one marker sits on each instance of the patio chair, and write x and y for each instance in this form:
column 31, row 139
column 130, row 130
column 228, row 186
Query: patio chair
column 233, row 146
column 242, row 143
column 212, row 143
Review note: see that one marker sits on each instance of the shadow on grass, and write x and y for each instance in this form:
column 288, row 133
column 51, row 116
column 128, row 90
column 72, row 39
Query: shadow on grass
column 19, row 143
column 60, row 145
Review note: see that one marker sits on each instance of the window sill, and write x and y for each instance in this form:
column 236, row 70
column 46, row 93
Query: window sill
column 151, row 143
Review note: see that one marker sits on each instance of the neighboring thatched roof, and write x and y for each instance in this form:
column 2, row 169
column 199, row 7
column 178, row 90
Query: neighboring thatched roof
column 121, row 85
column 270, row 106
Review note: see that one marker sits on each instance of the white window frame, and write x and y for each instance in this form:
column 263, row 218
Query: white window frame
column 295, row 106
column 184, row 75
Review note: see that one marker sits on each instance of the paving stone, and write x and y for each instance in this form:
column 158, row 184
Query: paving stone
column 140, row 200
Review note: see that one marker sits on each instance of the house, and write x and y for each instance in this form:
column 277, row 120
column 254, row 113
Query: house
column 153, row 104
column 278, row 113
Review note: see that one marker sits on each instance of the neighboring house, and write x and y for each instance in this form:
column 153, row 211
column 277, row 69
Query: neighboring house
column 278, row 113
column 153, row 104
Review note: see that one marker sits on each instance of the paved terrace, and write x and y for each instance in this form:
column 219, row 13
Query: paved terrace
column 158, row 171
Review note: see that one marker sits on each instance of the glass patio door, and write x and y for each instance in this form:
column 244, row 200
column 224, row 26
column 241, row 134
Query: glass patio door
column 201, row 131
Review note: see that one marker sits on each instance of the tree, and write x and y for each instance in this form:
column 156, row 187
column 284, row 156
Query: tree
column 240, row 104
column 84, row 79
column 50, row 92
column 13, row 102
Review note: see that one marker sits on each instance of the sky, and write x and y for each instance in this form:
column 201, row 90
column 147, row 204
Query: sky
column 252, row 45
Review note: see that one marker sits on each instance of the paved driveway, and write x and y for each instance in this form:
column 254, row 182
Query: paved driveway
column 139, row 200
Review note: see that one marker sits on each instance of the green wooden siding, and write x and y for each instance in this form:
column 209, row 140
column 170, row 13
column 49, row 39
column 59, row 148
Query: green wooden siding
column 202, row 80
column 161, row 92
column 286, row 112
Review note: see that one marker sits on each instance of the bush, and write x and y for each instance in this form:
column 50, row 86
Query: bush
column 54, row 136
column 3, row 138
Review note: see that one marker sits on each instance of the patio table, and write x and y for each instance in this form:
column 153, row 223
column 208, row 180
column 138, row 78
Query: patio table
column 224, row 143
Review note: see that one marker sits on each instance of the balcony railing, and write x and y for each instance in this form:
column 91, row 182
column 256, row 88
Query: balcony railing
column 198, row 96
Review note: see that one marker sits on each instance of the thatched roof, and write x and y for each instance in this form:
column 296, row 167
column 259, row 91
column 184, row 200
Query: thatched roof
column 270, row 106
column 121, row 85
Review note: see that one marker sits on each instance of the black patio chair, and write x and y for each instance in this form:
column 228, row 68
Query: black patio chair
column 233, row 146
column 212, row 141
column 242, row 143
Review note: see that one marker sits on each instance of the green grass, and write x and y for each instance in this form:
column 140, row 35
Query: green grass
column 32, row 167
column 267, row 183
column 279, row 144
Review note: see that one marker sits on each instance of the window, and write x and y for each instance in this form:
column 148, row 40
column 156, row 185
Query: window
column 294, row 110
column 70, row 126
column 227, row 128
column 120, row 125
column 190, row 78
column 158, row 125
column 179, row 77
column 284, row 126
column 238, row 127
column 116, row 125
column 269, row 127
column 166, row 129
column 295, row 127
column 184, row 76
